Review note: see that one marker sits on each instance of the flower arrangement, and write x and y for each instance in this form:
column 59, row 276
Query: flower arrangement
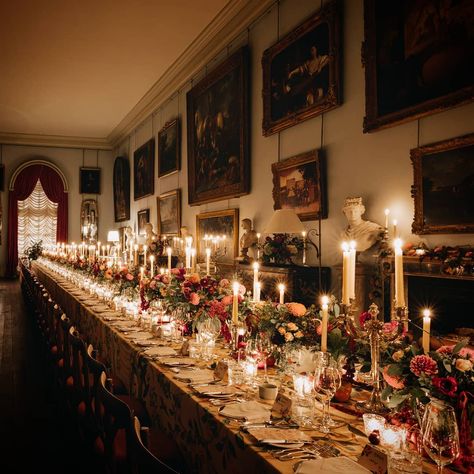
column 34, row 250
column 280, row 248
column 447, row 374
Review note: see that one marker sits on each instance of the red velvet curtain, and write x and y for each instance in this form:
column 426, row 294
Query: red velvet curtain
column 24, row 184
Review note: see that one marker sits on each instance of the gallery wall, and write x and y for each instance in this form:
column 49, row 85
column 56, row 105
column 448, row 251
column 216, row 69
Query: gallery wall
column 68, row 161
column 375, row 166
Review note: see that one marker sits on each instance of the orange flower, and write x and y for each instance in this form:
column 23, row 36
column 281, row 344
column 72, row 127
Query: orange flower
column 296, row 309
column 194, row 278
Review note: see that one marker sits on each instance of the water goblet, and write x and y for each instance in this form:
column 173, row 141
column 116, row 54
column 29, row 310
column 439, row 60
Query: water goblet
column 327, row 379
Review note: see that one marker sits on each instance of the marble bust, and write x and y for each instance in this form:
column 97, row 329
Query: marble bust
column 248, row 239
column 150, row 235
column 365, row 233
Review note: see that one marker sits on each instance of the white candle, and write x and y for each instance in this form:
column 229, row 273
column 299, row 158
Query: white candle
column 235, row 303
column 257, row 292
column 145, row 248
column 162, row 271
column 169, row 251
column 395, row 228
column 426, row 330
column 304, row 247
column 152, row 261
column 387, row 213
column 258, row 246
column 352, row 269
column 324, row 323
column 136, row 254
column 142, row 273
column 193, row 260
column 255, row 279
column 399, row 284
column 345, row 272
column 188, row 258
column 281, row 289
column 208, row 261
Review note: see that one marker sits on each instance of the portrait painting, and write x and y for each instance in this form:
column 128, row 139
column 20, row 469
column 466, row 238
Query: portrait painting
column 443, row 187
column 89, row 180
column 301, row 72
column 121, row 183
column 143, row 217
column 223, row 224
column 169, row 159
column 418, row 58
column 299, row 183
column 144, row 170
column 218, row 124
column 168, row 206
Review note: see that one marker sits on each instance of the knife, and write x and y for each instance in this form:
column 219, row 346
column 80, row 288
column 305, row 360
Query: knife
column 283, row 441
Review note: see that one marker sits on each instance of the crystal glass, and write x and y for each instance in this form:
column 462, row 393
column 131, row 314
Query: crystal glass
column 440, row 433
column 327, row 379
column 404, row 462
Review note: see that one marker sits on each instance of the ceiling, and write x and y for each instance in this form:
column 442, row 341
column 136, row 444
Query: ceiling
column 77, row 68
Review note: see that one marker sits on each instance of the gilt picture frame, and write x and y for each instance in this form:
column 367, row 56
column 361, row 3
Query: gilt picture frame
column 121, row 185
column 443, row 188
column 299, row 183
column 219, row 223
column 218, row 132
column 168, row 207
column 301, row 73
column 144, row 170
column 169, row 148
column 417, row 58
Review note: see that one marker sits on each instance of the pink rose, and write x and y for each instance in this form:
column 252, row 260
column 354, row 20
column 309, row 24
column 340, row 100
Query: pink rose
column 153, row 284
column 165, row 279
column 194, row 299
column 129, row 277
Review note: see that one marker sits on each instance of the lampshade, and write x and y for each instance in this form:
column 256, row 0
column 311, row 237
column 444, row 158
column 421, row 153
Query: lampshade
column 113, row 236
column 284, row 221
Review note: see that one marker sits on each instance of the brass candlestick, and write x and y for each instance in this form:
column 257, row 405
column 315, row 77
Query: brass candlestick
column 400, row 314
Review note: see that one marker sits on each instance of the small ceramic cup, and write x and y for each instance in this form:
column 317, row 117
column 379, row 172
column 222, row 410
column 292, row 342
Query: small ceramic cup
column 268, row 391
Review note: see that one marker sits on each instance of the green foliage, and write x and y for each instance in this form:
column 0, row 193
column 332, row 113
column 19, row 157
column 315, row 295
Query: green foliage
column 35, row 250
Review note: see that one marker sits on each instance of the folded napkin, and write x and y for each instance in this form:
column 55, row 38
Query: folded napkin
column 278, row 435
column 140, row 336
column 176, row 362
column 100, row 308
column 246, row 411
column 339, row 465
column 219, row 391
column 160, row 351
column 196, row 376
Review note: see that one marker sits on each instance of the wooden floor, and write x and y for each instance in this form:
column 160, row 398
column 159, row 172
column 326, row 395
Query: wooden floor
column 34, row 436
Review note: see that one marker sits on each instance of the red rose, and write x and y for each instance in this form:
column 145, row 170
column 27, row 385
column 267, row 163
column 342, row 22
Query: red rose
column 446, row 385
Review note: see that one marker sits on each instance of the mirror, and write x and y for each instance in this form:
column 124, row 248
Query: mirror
column 89, row 221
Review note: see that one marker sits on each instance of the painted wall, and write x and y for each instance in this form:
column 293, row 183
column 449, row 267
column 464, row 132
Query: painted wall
column 69, row 161
column 375, row 166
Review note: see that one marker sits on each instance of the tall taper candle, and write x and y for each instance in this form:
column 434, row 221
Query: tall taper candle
column 395, row 222
column 258, row 246
column 135, row 254
column 145, row 248
column 169, row 251
column 399, row 283
column 187, row 251
column 281, row 289
column 304, row 247
column 208, row 261
column 426, row 330
column 257, row 292
column 352, row 269
column 193, row 260
column 324, row 323
column 345, row 272
column 255, row 279
column 387, row 213
column 235, row 303
column 152, row 265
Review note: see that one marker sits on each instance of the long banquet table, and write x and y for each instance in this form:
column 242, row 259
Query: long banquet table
column 210, row 443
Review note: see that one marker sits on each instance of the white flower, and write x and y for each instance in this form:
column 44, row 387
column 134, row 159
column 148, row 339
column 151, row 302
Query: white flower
column 463, row 365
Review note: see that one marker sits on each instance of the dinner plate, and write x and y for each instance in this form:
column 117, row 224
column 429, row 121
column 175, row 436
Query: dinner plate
column 285, row 445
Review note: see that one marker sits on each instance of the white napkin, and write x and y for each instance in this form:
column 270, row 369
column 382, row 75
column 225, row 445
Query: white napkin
column 140, row 336
column 196, row 376
column 175, row 362
column 339, row 465
column 160, row 351
column 247, row 411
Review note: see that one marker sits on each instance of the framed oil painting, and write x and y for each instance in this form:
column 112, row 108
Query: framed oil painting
column 144, row 170
column 301, row 72
column 218, row 130
column 143, row 217
column 121, row 189
column 418, row 59
column 299, row 183
column 89, row 180
column 222, row 223
column 168, row 206
column 169, row 152
column 443, row 187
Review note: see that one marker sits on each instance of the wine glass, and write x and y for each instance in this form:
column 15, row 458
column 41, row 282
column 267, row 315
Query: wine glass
column 327, row 379
column 440, row 433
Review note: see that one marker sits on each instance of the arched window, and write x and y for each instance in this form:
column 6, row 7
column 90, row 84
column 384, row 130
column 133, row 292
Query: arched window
column 22, row 185
column 37, row 220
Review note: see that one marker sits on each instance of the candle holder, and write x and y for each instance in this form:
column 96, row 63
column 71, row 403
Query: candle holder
column 236, row 331
column 400, row 314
